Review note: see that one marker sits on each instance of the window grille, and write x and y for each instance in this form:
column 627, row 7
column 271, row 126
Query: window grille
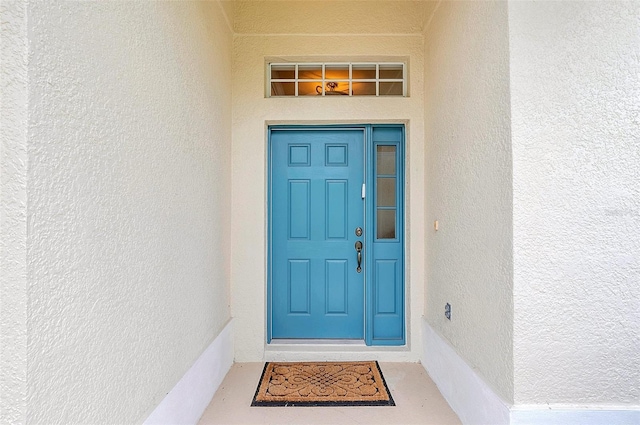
column 342, row 79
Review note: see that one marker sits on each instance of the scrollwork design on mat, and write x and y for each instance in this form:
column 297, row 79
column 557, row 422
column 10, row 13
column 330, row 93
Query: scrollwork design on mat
column 324, row 381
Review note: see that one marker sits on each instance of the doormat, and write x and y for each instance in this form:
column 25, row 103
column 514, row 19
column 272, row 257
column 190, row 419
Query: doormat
column 322, row 384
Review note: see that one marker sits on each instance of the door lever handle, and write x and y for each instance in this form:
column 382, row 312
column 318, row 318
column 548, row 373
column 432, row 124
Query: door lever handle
column 358, row 247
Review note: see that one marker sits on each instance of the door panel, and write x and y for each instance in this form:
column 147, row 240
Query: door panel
column 316, row 204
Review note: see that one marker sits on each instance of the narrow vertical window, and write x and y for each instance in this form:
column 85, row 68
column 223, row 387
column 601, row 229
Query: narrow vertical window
column 386, row 192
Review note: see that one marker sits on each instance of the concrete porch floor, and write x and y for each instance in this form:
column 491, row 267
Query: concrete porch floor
column 417, row 399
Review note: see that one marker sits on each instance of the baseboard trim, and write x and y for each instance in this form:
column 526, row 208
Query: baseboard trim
column 476, row 403
column 187, row 401
column 556, row 414
column 468, row 395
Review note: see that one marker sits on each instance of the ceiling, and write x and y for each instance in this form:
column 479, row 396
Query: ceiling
column 328, row 17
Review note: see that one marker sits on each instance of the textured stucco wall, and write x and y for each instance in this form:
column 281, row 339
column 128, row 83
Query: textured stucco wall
column 13, row 210
column 576, row 187
column 251, row 112
column 468, row 186
column 129, row 191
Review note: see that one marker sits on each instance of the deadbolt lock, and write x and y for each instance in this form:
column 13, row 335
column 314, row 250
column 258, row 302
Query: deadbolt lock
column 358, row 231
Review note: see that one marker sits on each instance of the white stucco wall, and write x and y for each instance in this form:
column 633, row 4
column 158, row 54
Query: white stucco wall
column 576, row 187
column 468, row 186
column 252, row 111
column 13, row 209
column 128, row 189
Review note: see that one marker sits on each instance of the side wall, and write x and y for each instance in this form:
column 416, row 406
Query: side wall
column 468, row 186
column 576, row 154
column 251, row 114
column 13, row 210
column 128, row 186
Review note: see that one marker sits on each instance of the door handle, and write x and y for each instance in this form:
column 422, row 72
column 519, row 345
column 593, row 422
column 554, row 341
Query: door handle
column 358, row 247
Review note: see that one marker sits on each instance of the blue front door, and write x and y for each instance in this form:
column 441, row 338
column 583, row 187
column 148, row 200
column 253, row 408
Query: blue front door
column 317, row 288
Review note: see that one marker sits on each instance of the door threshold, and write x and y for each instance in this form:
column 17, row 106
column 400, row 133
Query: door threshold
column 287, row 341
column 294, row 350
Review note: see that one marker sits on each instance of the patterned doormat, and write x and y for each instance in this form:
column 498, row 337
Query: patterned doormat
column 322, row 384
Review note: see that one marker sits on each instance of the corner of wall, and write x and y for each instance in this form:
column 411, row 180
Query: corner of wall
column 187, row 401
column 476, row 403
column 228, row 12
column 465, row 391
column 429, row 14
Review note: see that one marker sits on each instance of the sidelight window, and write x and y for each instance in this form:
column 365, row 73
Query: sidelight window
column 386, row 192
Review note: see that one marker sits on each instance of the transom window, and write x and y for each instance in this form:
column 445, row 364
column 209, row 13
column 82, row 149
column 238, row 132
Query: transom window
column 337, row 79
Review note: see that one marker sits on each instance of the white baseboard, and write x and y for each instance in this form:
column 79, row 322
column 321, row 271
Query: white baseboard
column 476, row 403
column 468, row 395
column 187, row 401
column 572, row 415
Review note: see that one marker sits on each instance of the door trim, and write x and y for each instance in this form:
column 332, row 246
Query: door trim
column 369, row 147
